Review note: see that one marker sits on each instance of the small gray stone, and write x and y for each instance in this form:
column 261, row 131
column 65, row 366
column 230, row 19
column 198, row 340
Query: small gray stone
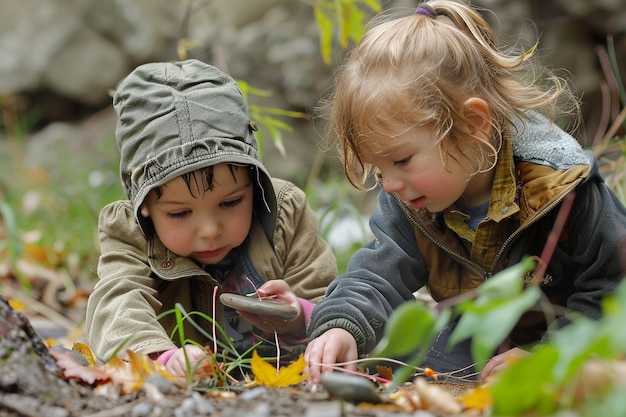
column 351, row 388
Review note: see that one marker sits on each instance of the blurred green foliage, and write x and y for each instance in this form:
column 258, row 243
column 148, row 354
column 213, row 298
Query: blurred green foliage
column 55, row 204
column 343, row 20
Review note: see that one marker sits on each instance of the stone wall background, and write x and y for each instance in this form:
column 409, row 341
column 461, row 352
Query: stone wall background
column 59, row 59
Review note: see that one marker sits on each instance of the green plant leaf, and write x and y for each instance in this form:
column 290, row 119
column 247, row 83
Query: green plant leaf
column 614, row 310
column 526, row 384
column 325, row 26
column 536, row 383
column 343, row 19
column 507, row 283
column 490, row 328
column 404, row 373
column 266, row 118
column 585, row 338
column 490, row 317
column 410, row 326
column 576, row 343
column 611, row 405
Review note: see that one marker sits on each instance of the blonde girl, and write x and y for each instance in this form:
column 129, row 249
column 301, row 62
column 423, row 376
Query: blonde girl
column 461, row 136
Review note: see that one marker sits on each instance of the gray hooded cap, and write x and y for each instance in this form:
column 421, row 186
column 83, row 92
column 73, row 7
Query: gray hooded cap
column 174, row 118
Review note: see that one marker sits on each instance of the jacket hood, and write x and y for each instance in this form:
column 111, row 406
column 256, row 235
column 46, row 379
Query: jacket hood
column 175, row 118
column 540, row 141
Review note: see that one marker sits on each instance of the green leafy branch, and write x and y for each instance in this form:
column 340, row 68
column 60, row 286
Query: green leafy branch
column 268, row 117
column 551, row 376
column 488, row 317
column 345, row 18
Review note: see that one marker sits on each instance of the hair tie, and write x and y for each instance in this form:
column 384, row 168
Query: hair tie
column 426, row 10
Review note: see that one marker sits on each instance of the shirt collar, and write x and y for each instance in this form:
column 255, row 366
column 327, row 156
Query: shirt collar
column 504, row 189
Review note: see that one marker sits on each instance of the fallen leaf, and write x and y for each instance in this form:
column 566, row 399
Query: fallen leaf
column 478, row 398
column 266, row 374
column 209, row 368
column 85, row 351
column 73, row 369
column 17, row 305
column 132, row 374
column 437, row 400
column 116, row 375
column 385, row 372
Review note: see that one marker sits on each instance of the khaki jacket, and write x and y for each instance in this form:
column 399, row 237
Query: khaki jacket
column 140, row 282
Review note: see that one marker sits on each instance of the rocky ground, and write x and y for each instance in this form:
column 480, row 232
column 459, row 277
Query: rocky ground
column 34, row 381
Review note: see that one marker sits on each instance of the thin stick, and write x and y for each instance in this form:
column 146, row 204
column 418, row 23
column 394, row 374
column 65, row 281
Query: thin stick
column 553, row 237
column 215, row 289
column 277, row 351
column 617, row 123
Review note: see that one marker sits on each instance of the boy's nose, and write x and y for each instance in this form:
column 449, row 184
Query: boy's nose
column 209, row 229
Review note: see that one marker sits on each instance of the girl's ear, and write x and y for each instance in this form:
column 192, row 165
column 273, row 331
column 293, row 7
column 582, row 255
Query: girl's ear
column 144, row 211
column 478, row 113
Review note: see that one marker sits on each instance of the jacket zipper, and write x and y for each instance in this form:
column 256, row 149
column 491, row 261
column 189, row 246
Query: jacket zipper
column 449, row 251
column 486, row 274
column 555, row 202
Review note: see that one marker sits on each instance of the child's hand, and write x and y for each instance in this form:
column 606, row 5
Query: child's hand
column 336, row 345
column 176, row 365
column 499, row 362
column 280, row 290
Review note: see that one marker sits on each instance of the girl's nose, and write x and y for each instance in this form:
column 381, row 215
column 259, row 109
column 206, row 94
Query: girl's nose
column 392, row 184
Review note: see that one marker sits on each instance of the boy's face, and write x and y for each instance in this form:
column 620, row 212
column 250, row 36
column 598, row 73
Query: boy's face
column 207, row 225
column 412, row 168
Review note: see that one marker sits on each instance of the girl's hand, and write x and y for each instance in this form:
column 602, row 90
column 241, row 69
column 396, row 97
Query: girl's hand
column 499, row 362
column 336, row 345
column 279, row 289
column 176, row 365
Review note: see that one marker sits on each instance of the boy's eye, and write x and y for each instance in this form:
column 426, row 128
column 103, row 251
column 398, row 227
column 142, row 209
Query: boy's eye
column 231, row 203
column 402, row 161
column 178, row 214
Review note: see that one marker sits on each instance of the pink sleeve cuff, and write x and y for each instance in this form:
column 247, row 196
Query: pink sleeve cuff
column 307, row 310
column 165, row 356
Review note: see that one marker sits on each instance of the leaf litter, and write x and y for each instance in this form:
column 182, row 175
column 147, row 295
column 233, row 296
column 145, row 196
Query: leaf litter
column 139, row 373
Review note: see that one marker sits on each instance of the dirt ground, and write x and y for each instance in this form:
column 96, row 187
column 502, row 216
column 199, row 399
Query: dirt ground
column 157, row 397
column 32, row 383
column 76, row 399
column 79, row 400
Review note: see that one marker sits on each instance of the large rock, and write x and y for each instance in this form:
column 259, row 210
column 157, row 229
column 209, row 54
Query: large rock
column 61, row 58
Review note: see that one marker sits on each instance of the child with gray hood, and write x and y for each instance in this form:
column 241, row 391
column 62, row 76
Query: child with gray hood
column 203, row 217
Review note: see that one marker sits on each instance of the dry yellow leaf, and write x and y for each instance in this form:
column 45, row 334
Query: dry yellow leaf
column 125, row 374
column 131, row 374
column 266, row 374
column 85, row 351
column 17, row 305
column 478, row 398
